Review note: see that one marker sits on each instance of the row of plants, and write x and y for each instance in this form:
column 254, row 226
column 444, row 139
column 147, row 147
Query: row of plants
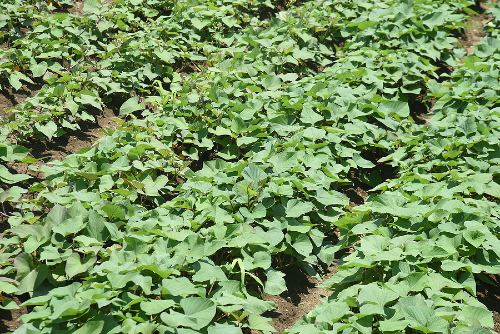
column 17, row 16
column 103, row 53
column 426, row 240
column 87, row 62
column 179, row 220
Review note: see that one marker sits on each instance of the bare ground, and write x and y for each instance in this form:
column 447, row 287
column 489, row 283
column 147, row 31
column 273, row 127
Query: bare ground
column 474, row 28
column 77, row 8
column 74, row 141
column 474, row 32
column 71, row 142
column 489, row 295
column 9, row 319
column 303, row 294
column 10, row 98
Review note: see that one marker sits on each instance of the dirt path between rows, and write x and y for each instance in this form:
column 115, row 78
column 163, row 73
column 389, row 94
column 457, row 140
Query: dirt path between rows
column 489, row 295
column 303, row 294
column 73, row 141
column 474, row 28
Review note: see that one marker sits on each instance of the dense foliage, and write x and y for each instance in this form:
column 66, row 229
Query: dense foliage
column 247, row 129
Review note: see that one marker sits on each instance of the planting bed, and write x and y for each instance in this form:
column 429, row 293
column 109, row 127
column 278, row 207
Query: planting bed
column 181, row 167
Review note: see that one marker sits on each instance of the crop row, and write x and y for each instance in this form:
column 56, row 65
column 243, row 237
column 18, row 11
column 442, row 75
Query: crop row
column 427, row 240
column 180, row 219
column 104, row 54
column 97, row 59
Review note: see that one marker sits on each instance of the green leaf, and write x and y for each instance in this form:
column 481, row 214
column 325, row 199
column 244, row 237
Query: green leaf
column 199, row 24
column 360, row 162
column 201, row 308
column 33, row 279
column 114, row 211
column 241, row 141
column 7, row 177
column 374, row 298
column 399, row 108
column 254, row 174
column 208, row 272
column 303, row 245
column 74, row 266
column 49, row 129
column 165, row 55
column 259, row 323
column 420, row 316
column 272, row 83
column 275, row 283
column 6, row 287
column 331, row 197
column 303, row 54
column 224, row 329
column 39, row 69
column 331, row 312
column 15, row 79
column 296, row 208
column 153, row 187
column 91, row 6
column 198, row 313
column 91, row 327
column 474, row 314
column 308, row 116
column 71, row 225
column 262, row 260
column 13, row 194
column 130, row 106
column 179, row 286
column 90, row 99
column 314, row 133
column 156, row 306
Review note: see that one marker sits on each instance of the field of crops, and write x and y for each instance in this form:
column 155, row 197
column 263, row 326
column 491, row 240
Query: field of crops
column 249, row 166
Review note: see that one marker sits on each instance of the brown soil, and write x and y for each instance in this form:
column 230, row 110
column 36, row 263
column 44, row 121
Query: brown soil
column 4, row 104
column 357, row 195
column 74, row 141
column 303, row 294
column 77, row 8
column 489, row 295
column 10, row 98
column 9, row 319
column 474, row 29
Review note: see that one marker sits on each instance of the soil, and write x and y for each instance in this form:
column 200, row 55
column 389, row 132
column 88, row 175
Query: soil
column 9, row 319
column 77, row 8
column 303, row 295
column 74, row 141
column 71, row 142
column 474, row 28
column 421, row 106
column 357, row 195
column 489, row 295
column 10, row 98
